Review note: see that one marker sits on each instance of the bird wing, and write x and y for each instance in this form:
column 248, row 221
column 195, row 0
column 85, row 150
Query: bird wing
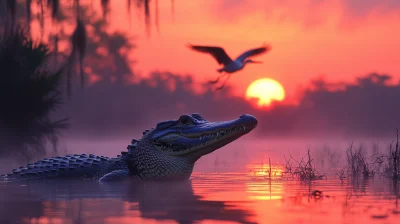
column 217, row 52
column 254, row 52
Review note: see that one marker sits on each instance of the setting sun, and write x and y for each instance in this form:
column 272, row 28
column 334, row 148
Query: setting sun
column 265, row 90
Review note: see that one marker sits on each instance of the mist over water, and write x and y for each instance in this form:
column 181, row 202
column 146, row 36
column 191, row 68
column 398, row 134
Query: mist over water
column 244, row 150
column 230, row 185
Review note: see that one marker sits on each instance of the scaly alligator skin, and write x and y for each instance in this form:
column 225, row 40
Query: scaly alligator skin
column 168, row 151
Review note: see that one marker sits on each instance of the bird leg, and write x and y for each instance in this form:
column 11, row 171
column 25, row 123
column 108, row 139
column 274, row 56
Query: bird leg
column 215, row 81
column 223, row 84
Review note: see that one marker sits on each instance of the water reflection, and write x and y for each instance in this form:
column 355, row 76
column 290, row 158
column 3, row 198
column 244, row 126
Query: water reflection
column 247, row 196
column 88, row 202
column 266, row 182
column 278, row 200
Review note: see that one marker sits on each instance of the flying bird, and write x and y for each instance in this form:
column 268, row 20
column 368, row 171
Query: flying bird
column 230, row 66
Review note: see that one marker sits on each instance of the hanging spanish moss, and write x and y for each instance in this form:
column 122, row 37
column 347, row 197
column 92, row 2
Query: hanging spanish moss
column 157, row 18
column 147, row 16
column 28, row 12
column 41, row 18
column 78, row 40
column 129, row 10
column 54, row 7
column 11, row 9
column 77, row 6
column 105, row 4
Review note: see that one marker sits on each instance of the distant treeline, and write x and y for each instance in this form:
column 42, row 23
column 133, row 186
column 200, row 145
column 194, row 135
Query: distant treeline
column 367, row 108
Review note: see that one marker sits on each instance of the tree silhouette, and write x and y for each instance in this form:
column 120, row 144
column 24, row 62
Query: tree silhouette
column 12, row 13
column 29, row 92
column 106, row 54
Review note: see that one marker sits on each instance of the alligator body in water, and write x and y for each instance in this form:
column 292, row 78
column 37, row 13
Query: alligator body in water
column 168, row 151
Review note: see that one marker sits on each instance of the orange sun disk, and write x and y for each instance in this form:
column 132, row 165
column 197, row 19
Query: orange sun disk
column 266, row 91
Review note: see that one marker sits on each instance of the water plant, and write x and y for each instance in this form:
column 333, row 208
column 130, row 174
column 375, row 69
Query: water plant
column 382, row 164
column 392, row 163
column 358, row 164
column 303, row 169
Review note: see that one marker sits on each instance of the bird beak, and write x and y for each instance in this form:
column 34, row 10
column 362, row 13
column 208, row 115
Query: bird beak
column 258, row 62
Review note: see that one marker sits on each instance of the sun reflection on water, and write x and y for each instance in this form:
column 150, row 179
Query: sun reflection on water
column 265, row 184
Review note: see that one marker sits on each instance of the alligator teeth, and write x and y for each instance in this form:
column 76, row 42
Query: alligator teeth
column 219, row 134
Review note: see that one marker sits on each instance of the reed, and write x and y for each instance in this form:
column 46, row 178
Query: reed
column 392, row 163
column 303, row 169
column 358, row 164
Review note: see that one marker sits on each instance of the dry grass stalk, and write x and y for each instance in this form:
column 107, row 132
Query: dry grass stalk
column 304, row 169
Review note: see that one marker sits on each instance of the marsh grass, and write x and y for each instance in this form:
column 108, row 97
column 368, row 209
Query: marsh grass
column 382, row 164
column 392, row 163
column 303, row 169
column 358, row 163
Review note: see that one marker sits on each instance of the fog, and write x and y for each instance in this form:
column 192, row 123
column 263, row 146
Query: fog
column 105, row 116
column 364, row 109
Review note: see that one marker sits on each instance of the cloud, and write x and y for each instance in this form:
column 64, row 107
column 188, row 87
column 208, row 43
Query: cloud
column 362, row 8
column 309, row 13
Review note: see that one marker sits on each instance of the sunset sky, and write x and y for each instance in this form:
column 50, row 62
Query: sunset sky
column 335, row 39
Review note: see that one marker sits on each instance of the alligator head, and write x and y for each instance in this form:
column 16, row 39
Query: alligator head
column 176, row 145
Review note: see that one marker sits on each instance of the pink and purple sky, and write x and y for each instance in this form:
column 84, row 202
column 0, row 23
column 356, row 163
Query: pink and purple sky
column 334, row 39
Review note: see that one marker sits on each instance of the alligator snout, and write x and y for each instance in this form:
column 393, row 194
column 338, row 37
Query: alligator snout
column 250, row 119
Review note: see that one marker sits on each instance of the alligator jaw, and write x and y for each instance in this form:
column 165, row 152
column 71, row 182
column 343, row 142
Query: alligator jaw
column 217, row 133
column 211, row 136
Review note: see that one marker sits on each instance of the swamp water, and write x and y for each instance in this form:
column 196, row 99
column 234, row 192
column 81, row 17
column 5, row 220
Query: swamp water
column 235, row 189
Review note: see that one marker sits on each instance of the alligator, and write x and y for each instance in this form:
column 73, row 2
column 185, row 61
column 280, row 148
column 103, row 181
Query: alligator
column 166, row 152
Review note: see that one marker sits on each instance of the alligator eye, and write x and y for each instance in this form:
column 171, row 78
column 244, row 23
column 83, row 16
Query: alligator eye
column 184, row 120
column 198, row 117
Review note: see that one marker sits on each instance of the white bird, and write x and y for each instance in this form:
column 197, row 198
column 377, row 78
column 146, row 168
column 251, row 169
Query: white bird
column 230, row 66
